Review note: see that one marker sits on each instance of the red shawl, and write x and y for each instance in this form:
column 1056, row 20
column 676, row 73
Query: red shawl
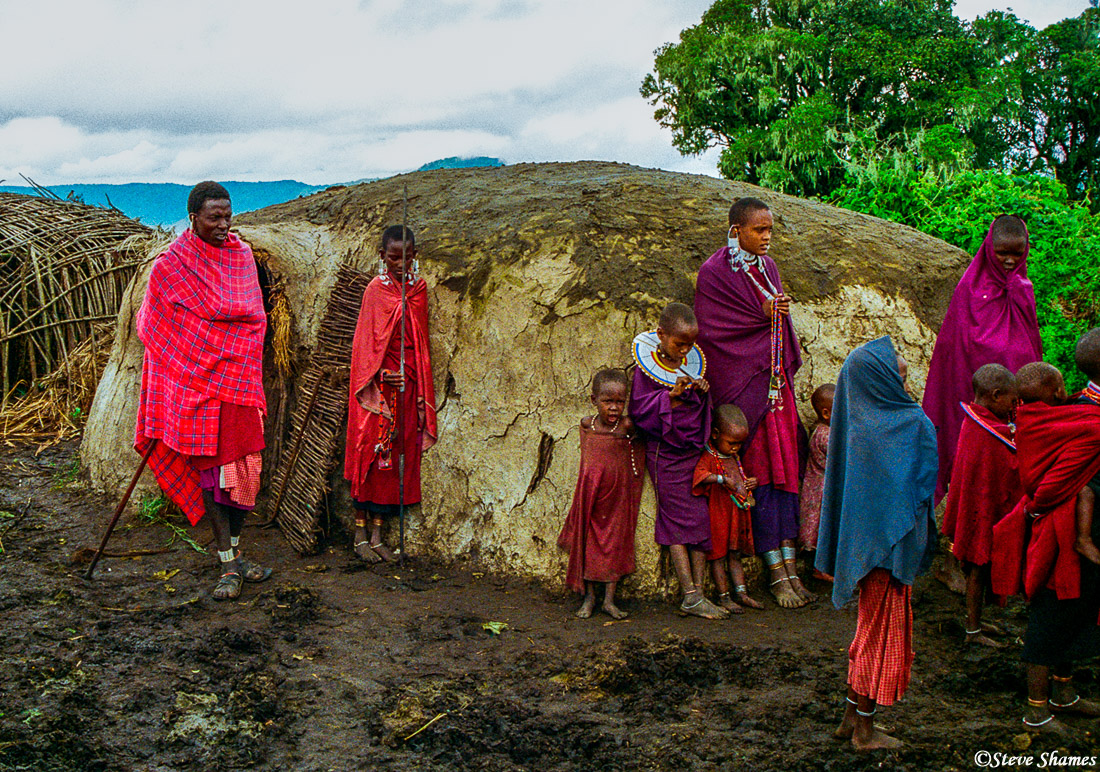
column 985, row 484
column 1058, row 449
column 202, row 322
column 379, row 321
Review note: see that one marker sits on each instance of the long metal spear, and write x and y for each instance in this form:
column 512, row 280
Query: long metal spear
column 401, row 398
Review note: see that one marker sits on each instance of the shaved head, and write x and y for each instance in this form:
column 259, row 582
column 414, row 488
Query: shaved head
column 1087, row 354
column 992, row 377
column 1040, row 382
column 677, row 316
column 730, row 417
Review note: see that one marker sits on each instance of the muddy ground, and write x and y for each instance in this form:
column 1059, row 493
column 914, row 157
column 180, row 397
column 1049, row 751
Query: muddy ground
column 332, row 665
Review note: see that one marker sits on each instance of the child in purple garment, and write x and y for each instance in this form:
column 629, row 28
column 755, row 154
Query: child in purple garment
column 814, row 481
column 669, row 404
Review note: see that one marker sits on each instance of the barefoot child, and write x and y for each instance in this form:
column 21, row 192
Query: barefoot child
column 720, row 478
column 1058, row 451
column 669, row 403
column 985, row 486
column 810, row 501
column 599, row 530
column 877, row 531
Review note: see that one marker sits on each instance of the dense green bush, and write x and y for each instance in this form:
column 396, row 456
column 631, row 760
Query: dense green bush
column 958, row 207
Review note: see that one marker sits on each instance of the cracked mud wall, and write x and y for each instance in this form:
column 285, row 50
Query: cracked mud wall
column 538, row 276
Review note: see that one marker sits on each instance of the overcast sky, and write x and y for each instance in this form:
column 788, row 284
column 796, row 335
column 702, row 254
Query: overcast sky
column 336, row 90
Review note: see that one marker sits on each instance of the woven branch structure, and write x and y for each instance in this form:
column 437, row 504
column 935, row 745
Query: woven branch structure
column 320, row 417
column 63, row 269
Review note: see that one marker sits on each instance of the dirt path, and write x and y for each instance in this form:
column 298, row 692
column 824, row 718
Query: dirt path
column 335, row 666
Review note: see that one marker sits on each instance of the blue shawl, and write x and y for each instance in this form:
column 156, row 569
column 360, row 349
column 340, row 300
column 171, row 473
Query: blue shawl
column 880, row 476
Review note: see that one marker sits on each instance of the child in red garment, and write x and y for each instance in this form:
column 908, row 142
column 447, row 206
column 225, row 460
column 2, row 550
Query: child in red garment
column 720, row 478
column 985, row 486
column 599, row 530
column 813, row 483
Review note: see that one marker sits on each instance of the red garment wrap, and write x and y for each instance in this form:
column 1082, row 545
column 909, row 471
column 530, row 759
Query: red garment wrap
column 1058, row 449
column 880, row 659
column 730, row 526
column 599, row 530
column 202, row 322
column 985, row 486
column 379, row 330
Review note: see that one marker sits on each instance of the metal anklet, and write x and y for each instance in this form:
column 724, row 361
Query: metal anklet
column 865, row 715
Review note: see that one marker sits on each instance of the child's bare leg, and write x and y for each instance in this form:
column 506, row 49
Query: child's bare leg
column 684, row 563
column 740, row 589
column 790, row 558
column 975, row 595
column 865, row 737
column 1086, row 501
column 588, row 605
column 1037, row 714
column 1064, row 697
column 778, row 581
column 609, row 606
column 721, row 581
column 362, row 541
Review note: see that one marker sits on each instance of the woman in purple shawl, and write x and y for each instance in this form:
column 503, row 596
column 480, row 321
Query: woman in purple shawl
column 991, row 319
column 752, row 355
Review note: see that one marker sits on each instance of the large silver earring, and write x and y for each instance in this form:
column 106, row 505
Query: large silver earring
column 381, row 267
column 416, row 267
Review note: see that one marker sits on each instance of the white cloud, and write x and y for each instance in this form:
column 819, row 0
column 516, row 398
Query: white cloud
column 332, row 90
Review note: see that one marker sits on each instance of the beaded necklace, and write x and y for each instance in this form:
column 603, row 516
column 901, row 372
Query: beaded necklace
column 740, row 260
column 633, row 462
column 973, row 415
column 1092, row 393
column 742, row 502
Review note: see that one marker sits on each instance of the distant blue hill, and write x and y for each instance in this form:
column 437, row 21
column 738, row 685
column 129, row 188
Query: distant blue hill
column 461, row 163
column 165, row 203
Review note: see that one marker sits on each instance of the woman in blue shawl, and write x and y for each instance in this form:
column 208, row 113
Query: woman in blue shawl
column 877, row 531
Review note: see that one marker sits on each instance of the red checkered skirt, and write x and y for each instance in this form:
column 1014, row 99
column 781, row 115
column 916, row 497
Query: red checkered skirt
column 880, row 658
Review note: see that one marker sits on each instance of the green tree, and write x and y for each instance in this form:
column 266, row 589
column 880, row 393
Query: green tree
column 958, row 206
column 1061, row 121
column 783, row 86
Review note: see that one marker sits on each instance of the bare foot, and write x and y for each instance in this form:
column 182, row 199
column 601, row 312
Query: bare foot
column 1077, row 706
column 877, row 741
column 785, row 596
column 613, row 611
column 846, row 729
column 979, row 639
column 726, row 601
column 587, row 607
column 951, row 575
column 365, row 553
column 747, row 600
column 801, row 591
column 382, row 551
column 991, row 629
column 821, row 576
column 1039, row 720
column 1086, row 549
column 696, row 604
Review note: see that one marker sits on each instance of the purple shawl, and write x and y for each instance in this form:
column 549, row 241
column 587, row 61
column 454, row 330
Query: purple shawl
column 735, row 336
column 991, row 318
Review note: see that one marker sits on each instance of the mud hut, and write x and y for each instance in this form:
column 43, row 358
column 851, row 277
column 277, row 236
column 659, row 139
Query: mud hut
column 539, row 275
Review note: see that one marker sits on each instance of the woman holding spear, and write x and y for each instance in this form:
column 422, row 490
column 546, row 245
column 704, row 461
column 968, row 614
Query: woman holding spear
column 391, row 413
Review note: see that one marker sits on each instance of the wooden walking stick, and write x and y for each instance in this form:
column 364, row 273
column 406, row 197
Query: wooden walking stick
column 121, row 506
column 401, row 397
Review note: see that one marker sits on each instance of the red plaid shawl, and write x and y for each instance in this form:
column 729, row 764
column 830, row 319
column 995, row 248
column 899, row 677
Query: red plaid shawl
column 202, row 323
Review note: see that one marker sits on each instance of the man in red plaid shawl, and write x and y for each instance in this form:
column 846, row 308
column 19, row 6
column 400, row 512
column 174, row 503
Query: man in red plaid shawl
column 202, row 401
